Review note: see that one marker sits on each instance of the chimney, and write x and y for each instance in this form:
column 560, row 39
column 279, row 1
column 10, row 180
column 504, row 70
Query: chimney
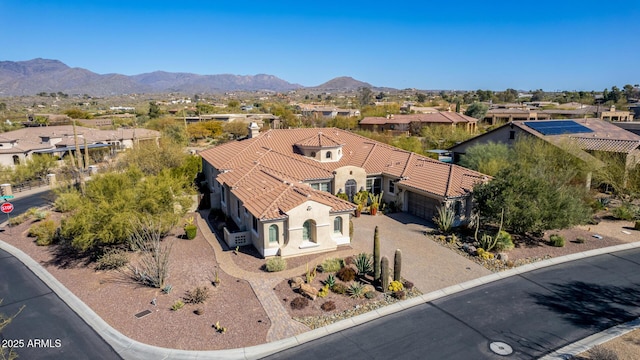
column 254, row 130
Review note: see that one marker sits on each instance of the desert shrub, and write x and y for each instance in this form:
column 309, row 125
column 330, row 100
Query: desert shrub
column 67, row 202
column 346, row 274
column 356, row 290
column 112, row 259
column 324, row 291
column 17, row 220
column 299, row 303
column 331, row 265
column 407, row 284
column 637, row 225
column 395, row 286
column 328, row 306
column 626, row 211
column 276, row 264
column 599, row 352
column 331, row 280
column 400, row 295
column 197, row 295
column 177, row 305
column 363, row 263
column 482, row 253
column 370, row 295
column 580, row 240
column 44, row 232
column 191, row 231
column 339, row 288
column 349, row 260
column 504, row 242
column 556, row 240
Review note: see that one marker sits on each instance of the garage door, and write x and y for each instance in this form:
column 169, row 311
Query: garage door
column 422, row 206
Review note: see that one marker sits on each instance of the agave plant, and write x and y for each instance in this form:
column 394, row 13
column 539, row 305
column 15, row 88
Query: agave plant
column 356, row 290
column 331, row 280
column 363, row 264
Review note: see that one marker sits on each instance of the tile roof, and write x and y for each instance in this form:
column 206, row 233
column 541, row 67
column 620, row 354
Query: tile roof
column 319, row 140
column 444, row 117
column 605, row 136
column 260, row 170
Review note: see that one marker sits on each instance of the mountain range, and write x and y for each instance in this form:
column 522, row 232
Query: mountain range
column 45, row 75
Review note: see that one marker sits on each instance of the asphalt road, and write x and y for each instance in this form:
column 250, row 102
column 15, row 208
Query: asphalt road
column 46, row 328
column 534, row 313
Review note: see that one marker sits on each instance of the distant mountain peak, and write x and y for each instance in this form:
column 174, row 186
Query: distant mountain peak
column 343, row 83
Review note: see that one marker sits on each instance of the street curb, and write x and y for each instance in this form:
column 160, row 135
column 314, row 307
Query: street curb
column 132, row 349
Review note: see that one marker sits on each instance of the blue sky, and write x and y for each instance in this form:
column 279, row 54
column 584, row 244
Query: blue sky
column 553, row 45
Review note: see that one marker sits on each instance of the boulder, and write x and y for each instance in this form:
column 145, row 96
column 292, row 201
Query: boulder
column 309, row 291
column 368, row 288
column 296, row 282
column 502, row 256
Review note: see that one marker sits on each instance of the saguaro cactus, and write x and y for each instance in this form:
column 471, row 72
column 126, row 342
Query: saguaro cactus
column 384, row 264
column 397, row 265
column 376, row 255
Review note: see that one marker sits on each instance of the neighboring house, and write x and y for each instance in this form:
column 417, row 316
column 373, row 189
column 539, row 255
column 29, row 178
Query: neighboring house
column 260, row 119
column 19, row 145
column 589, row 136
column 278, row 188
column 502, row 113
column 413, row 123
column 327, row 112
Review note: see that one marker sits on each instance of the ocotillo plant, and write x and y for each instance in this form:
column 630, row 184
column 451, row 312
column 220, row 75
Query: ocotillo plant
column 397, row 265
column 376, row 255
column 384, row 264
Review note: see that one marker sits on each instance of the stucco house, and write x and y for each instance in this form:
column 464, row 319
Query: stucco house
column 413, row 123
column 19, row 145
column 279, row 187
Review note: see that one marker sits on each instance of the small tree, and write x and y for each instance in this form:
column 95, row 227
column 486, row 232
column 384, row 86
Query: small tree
column 477, row 110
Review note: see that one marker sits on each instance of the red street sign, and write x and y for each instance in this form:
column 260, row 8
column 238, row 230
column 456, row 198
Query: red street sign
column 6, row 207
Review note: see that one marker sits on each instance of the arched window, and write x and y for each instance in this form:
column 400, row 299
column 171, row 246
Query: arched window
column 273, row 233
column 328, row 155
column 337, row 225
column 307, row 231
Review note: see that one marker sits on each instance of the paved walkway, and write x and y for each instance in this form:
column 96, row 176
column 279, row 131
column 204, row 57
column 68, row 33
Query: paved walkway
column 428, row 265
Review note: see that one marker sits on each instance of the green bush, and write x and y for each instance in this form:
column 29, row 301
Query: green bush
column 556, row 240
column 191, row 231
column 17, row 220
column 504, row 242
column 276, row 264
column 637, row 225
column 625, row 211
column 44, row 232
column 331, row 280
column 580, row 240
column 331, row 265
column 112, row 259
column 346, row 274
column 67, row 202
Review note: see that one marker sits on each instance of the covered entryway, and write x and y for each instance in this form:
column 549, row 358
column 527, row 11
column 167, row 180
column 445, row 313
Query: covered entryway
column 422, row 206
column 350, row 188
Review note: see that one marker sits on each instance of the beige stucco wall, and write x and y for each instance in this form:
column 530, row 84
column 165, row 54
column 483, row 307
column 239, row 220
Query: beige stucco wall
column 349, row 172
column 322, row 234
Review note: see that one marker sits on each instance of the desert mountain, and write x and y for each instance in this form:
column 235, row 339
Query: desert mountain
column 44, row 75
column 342, row 83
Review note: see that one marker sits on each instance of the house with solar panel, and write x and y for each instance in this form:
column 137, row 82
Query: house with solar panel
column 279, row 189
column 588, row 135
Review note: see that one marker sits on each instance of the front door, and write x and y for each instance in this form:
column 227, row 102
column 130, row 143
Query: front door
column 350, row 188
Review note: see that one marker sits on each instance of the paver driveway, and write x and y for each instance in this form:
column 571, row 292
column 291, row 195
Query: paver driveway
column 427, row 264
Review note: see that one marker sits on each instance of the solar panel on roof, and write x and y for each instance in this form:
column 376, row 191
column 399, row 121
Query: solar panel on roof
column 558, row 127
